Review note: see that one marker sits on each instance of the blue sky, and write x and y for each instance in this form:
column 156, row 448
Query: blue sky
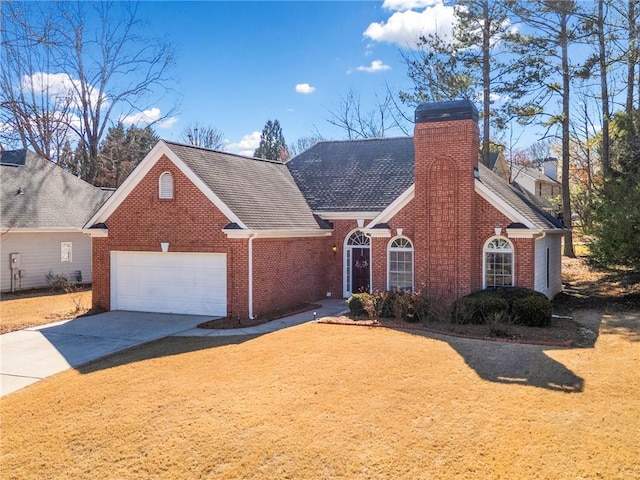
column 241, row 63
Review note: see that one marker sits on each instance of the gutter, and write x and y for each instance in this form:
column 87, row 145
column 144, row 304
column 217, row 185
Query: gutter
column 250, row 292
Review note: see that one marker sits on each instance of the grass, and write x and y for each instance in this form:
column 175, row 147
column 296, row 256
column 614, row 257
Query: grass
column 333, row 401
column 33, row 308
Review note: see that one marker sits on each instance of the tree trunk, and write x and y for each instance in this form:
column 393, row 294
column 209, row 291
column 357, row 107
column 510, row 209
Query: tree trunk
column 604, row 90
column 632, row 57
column 566, row 198
column 486, row 82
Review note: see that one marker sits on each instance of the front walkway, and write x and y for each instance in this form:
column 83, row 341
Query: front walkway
column 329, row 308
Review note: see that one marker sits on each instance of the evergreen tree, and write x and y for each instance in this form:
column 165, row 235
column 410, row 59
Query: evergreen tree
column 272, row 143
column 466, row 66
column 615, row 224
column 121, row 151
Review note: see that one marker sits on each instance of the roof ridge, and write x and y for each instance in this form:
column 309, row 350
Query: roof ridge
column 223, row 152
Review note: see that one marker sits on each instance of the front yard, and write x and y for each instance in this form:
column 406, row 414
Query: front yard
column 332, row 401
column 337, row 401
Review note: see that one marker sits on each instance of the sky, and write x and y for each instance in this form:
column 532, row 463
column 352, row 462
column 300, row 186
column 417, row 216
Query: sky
column 242, row 63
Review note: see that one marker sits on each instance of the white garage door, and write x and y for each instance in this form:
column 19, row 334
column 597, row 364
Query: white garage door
column 191, row 283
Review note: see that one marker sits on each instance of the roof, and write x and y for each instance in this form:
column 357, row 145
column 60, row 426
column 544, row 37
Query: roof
column 354, row 175
column 368, row 175
column 518, row 200
column 261, row 193
column 36, row 194
column 532, row 172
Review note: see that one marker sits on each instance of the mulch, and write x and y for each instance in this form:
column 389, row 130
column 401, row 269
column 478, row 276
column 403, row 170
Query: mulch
column 563, row 332
column 226, row 323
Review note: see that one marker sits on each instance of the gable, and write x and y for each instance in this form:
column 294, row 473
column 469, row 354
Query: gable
column 252, row 194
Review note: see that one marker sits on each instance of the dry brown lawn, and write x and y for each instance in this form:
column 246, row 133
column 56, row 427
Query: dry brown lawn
column 22, row 310
column 335, row 401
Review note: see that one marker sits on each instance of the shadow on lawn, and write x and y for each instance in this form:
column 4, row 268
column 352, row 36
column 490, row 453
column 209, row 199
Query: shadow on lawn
column 513, row 363
column 517, row 364
column 163, row 347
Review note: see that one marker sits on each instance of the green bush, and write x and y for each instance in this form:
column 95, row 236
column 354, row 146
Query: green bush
column 361, row 305
column 532, row 311
column 507, row 305
column 479, row 308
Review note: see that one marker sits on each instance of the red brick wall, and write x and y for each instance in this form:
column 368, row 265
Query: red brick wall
column 189, row 222
column 445, row 156
column 289, row 271
column 487, row 219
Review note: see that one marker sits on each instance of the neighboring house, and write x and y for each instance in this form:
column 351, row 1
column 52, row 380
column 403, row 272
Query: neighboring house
column 44, row 209
column 539, row 183
column 205, row 232
column 498, row 165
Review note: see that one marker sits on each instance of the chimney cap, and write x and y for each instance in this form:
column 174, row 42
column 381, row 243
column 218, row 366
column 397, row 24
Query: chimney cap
column 446, row 111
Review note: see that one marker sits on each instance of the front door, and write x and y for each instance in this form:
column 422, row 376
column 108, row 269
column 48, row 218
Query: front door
column 357, row 263
column 361, row 269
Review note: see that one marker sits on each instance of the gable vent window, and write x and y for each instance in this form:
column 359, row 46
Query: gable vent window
column 166, row 186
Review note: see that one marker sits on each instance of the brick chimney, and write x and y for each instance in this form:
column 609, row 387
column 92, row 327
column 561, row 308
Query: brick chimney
column 446, row 142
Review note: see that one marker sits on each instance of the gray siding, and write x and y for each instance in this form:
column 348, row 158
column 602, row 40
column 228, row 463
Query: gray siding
column 554, row 243
column 40, row 253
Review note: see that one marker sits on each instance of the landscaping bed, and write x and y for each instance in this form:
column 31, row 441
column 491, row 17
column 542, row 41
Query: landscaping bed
column 563, row 332
column 226, row 323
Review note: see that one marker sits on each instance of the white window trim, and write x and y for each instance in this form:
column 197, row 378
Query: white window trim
column 160, row 192
column 413, row 260
column 512, row 251
column 346, row 246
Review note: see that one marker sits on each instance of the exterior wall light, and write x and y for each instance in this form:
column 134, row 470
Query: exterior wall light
column 334, row 249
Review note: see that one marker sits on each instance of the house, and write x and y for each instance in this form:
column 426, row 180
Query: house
column 539, row 183
column 498, row 164
column 44, row 209
column 205, row 232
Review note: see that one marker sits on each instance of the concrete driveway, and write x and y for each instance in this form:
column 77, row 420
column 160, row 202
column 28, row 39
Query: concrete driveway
column 35, row 353
column 29, row 355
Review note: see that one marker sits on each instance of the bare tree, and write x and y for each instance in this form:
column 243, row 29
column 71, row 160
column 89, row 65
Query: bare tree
column 302, row 144
column 375, row 122
column 203, row 136
column 93, row 62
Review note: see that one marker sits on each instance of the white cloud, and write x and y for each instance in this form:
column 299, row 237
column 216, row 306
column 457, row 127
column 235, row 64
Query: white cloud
column 376, row 66
column 403, row 5
column 246, row 146
column 404, row 28
column 305, row 88
column 60, row 87
column 147, row 117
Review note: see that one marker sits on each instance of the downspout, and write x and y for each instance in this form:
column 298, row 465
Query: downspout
column 250, row 293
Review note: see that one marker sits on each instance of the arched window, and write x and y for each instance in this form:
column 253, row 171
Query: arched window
column 400, row 264
column 498, row 263
column 165, row 186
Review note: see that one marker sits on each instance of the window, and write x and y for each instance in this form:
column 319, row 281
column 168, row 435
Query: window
column 498, row 263
column 66, row 251
column 166, row 186
column 400, row 270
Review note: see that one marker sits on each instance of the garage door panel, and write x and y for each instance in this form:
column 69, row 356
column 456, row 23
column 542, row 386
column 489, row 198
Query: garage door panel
column 169, row 282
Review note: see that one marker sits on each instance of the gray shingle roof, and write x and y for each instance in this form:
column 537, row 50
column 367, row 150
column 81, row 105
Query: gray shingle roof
column 518, row 200
column 533, row 172
column 354, row 175
column 367, row 175
column 37, row 194
column 260, row 192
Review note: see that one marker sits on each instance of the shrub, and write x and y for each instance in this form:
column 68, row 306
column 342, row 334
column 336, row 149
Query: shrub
column 361, row 304
column 515, row 305
column 384, row 303
column 532, row 311
column 58, row 282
